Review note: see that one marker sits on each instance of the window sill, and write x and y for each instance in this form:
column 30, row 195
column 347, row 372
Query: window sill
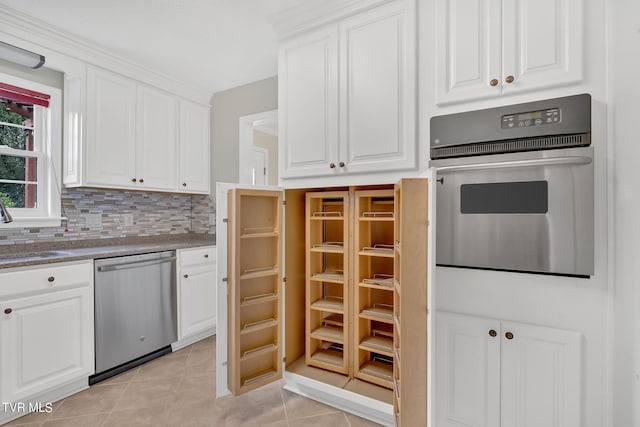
column 32, row 223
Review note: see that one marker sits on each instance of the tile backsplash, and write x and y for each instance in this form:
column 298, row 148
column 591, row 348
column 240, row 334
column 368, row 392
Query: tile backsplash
column 101, row 214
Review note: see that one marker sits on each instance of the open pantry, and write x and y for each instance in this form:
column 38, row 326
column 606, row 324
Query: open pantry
column 318, row 292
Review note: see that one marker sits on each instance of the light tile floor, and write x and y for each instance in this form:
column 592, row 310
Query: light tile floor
column 179, row 390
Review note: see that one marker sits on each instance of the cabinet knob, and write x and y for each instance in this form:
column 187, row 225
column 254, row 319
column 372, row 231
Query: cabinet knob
column 509, row 79
column 494, row 82
column 186, row 276
column 509, row 335
column 8, row 311
column 141, row 180
column 341, row 164
column 206, row 255
column 332, row 165
column 133, row 180
column 51, row 279
column 184, row 184
column 493, row 333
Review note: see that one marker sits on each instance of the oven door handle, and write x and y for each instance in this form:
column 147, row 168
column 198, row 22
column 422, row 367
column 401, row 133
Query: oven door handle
column 550, row 161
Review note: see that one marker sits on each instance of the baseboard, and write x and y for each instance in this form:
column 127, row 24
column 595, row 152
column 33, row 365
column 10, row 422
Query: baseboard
column 186, row 341
column 348, row 401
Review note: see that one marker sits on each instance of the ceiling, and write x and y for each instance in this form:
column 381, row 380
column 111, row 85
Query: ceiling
column 214, row 44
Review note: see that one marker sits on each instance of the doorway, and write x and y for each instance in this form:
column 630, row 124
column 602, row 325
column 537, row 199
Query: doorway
column 258, row 149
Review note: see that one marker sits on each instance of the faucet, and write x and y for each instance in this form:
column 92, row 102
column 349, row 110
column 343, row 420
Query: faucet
column 5, row 216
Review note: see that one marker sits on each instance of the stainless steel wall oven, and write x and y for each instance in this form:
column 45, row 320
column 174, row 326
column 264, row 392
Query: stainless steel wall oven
column 514, row 187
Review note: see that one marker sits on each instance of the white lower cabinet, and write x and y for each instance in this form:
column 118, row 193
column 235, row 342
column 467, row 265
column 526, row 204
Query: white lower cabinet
column 46, row 331
column 492, row 372
column 197, row 292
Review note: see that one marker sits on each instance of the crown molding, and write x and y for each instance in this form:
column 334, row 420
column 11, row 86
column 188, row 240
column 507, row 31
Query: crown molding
column 31, row 33
column 309, row 15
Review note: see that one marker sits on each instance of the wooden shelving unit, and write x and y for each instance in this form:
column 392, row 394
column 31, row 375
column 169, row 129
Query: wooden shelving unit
column 327, row 273
column 410, row 302
column 373, row 293
column 255, row 289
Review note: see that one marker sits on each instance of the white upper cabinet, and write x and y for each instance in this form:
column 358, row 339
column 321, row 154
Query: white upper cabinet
column 137, row 137
column 156, row 147
column 111, row 129
column 487, row 48
column 308, row 104
column 194, row 148
column 492, row 373
column 347, row 95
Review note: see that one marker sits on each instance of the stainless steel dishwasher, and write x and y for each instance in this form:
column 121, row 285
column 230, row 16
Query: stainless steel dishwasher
column 135, row 311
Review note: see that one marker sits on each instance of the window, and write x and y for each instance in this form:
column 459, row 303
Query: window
column 30, row 152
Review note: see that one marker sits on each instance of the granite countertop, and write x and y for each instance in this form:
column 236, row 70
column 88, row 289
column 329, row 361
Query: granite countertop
column 21, row 255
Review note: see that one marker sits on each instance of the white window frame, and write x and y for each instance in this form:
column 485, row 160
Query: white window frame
column 47, row 123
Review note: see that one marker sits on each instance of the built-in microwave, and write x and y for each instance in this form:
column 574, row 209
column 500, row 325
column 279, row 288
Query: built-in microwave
column 514, row 187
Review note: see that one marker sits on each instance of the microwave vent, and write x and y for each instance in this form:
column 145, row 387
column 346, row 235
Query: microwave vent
column 512, row 146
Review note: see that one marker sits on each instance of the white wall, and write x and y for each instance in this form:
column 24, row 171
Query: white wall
column 227, row 108
column 625, row 94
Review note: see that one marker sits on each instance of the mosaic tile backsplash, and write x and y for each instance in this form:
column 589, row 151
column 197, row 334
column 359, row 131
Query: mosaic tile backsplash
column 102, row 214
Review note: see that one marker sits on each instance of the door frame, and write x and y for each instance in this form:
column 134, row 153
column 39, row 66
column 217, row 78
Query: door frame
column 266, row 122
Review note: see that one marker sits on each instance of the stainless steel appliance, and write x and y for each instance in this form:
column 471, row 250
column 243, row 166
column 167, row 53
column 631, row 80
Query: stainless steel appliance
column 514, row 187
column 135, row 310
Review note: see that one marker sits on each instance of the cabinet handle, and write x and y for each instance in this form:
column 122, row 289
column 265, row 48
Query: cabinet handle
column 341, row 164
column 51, row 279
column 133, row 180
column 509, row 79
column 509, row 335
column 494, row 82
column 493, row 333
column 184, row 184
column 141, row 180
column 186, row 276
column 7, row 311
column 332, row 165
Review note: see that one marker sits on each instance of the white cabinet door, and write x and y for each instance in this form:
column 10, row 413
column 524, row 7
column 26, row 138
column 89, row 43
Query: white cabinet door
column 308, row 104
column 157, row 140
column 194, row 148
column 468, row 50
column 378, row 90
column 467, row 385
column 540, row 376
column 492, row 373
column 111, row 131
column 197, row 300
column 47, row 340
column 487, row 48
column 542, row 43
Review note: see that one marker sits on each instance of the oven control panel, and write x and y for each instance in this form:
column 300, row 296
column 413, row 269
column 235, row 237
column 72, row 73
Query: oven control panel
column 533, row 118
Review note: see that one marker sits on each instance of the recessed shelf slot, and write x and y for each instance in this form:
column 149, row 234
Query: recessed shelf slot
column 253, row 273
column 259, row 325
column 329, row 276
column 379, row 281
column 328, row 333
column 329, row 356
column 380, row 312
column 378, row 344
column 330, row 304
column 258, row 377
column 258, row 299
column 379, row 249
column 254, row 352
column 380, row 370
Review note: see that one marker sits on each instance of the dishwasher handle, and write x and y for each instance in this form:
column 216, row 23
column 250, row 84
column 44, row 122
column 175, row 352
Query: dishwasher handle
column 134, row 264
